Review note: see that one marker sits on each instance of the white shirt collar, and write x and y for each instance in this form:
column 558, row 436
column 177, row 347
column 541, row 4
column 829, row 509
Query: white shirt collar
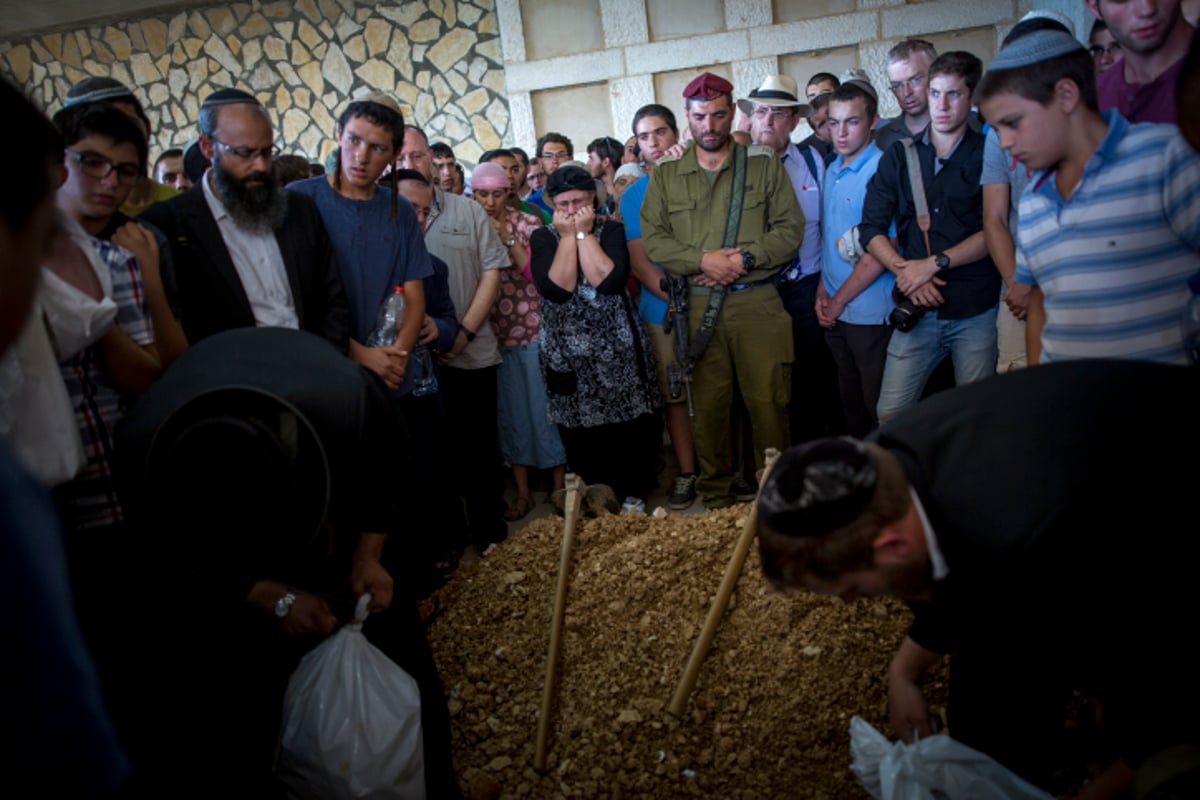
column 215, row 205
column 938, row 561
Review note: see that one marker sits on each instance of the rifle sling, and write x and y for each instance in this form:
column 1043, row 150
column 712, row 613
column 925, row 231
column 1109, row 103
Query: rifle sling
column 716, row 295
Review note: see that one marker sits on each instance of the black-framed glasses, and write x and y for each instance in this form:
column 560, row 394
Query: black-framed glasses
column 97, row 166
column 249, row 153
column 915, row 83
column 1098, row 50
column 563, row 156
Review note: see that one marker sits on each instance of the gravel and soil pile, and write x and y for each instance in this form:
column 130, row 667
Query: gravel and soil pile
column 770, row 713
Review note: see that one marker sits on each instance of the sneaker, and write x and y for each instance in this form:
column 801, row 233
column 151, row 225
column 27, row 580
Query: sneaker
column 684, row 492
column 742, row 489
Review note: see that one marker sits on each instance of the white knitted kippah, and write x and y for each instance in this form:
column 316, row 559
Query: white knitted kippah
column 1034, row 47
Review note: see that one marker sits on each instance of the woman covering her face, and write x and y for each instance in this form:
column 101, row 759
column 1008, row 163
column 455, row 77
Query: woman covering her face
column 598, row 367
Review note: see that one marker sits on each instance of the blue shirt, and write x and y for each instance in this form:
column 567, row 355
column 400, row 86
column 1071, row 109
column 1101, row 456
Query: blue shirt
column 374, row 252
column 651, row 308
column 1113, row 259
column 537, row 200
column 842, row 204
column 807, row 187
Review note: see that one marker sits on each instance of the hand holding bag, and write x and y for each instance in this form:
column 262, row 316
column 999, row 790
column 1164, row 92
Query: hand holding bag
column 351, row 723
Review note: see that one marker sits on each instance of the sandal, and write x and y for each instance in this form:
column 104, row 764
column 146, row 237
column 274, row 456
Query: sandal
column 519, row 508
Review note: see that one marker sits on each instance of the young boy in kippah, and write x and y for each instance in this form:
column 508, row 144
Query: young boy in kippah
column 1110, row 222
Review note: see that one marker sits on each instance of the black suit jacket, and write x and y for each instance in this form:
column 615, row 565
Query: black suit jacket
column 203, row 286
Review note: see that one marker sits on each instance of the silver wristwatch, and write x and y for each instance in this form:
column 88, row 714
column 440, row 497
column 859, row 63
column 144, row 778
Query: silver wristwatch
column 284, row 604
column 580, row 235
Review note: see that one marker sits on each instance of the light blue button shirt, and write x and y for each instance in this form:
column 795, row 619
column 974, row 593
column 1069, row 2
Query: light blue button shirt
column 808, row 194
column 844, row 192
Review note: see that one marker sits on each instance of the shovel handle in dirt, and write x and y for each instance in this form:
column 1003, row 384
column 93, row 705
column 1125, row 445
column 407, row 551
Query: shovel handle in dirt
column 570, row 514
column 732, row 572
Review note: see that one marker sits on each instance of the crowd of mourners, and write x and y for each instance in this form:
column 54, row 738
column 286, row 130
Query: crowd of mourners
column 710, row 282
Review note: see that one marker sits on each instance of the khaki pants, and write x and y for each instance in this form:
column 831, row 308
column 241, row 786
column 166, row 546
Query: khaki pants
column 751, row 347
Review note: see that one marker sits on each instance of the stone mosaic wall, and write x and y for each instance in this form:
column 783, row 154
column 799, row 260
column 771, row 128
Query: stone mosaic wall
column 303, row 60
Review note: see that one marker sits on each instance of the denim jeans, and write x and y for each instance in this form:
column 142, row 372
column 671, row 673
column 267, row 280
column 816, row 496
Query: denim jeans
column 911, row 357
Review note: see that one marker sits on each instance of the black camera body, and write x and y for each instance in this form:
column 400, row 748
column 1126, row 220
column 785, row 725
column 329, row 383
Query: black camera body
column 906, row 314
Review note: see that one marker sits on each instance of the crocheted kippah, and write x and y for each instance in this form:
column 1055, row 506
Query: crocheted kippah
column 1035, row 47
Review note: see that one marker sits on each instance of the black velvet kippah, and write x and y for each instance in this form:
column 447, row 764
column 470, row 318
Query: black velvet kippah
column 818, row 487
column 224, row 97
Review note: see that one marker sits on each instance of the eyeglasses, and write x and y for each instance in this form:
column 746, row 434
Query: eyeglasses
column 773, row 113
column 1113, row 50
column 97, row 166
column 914, row 83
column 561, row 156
column 249, row 153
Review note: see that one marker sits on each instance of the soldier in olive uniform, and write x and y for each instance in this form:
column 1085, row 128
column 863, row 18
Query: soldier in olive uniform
column 684, row 219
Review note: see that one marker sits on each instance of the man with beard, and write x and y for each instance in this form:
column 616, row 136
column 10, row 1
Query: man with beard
column 724, row 217
column 246, row 252
column 1034, row 531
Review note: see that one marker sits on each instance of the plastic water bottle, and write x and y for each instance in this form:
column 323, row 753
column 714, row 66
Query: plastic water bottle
column 1191, row 321
column 420, row 364
column 391, row 317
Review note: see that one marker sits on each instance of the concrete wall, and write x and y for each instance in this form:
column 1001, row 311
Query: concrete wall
column 650, row 49
column 483, row 73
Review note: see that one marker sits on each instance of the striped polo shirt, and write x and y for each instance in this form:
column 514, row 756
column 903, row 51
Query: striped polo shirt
column 1113, row 260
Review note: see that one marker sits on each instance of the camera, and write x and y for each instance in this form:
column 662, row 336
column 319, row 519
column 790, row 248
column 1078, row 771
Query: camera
column 906, row 314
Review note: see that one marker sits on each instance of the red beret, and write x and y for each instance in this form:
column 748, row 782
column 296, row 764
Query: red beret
column 707, row 87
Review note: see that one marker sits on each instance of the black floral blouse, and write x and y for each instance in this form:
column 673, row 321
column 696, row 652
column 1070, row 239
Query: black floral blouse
column 597, row 364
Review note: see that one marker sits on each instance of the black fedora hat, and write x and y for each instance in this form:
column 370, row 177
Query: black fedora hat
column 237, row 485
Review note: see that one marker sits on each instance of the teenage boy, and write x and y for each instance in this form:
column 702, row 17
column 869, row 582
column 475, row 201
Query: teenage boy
column 1154, row 37
column 1110, row 225
column 375, row 235
column 656, row 132
column 945, row 271
column 855, row 295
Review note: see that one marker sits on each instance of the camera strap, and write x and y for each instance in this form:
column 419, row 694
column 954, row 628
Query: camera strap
column 916, row 182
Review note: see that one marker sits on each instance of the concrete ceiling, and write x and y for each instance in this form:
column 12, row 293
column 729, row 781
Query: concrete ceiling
column 29, row 16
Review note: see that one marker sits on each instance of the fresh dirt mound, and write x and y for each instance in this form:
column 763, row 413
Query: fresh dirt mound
column 770, row 713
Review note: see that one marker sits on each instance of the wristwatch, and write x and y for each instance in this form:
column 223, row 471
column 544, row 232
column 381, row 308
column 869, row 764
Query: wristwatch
column 511, row 242
column 942, row 260
column 749, row 262
column 284, row 604
column 470, row 334
column 580, row 235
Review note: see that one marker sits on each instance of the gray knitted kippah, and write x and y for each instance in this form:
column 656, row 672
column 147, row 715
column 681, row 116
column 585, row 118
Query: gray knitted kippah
column 1034, row 47
column 96, row 90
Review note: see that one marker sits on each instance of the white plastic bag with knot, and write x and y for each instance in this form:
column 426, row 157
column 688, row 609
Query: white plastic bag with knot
column 351, row 723
column 937, row 767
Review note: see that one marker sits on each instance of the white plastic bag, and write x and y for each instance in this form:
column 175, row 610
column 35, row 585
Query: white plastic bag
column 936, row 767
column 351, row 723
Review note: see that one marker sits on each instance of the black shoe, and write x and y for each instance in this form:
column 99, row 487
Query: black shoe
column 684, row 492
column 742, row 489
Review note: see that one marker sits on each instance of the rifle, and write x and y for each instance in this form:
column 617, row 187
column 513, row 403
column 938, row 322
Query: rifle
column 679, row 373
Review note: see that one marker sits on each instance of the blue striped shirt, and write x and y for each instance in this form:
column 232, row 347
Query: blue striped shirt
column 1113, row 259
